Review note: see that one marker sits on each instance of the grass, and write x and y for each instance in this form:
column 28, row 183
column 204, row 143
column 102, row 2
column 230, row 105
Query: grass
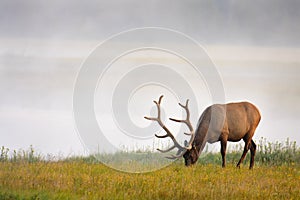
column 26, row 175
column 79, row 180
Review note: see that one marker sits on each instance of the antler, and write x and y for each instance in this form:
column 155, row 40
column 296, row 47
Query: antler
column 187, row 122
column 181, row 149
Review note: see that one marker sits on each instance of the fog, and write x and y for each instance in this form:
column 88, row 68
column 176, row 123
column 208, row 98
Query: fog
column 255, row 46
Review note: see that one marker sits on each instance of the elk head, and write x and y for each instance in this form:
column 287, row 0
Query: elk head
column 188, row 151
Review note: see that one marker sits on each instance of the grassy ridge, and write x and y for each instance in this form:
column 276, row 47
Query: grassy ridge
column 276, row 175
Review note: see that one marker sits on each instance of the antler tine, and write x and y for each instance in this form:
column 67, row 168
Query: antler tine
column 178, row 155
column 187, row 122
column 168, row 132
column 158, row 110
column 160, row 98
column 167, row 150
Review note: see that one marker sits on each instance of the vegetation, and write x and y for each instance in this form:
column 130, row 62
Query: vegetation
column 276, row 175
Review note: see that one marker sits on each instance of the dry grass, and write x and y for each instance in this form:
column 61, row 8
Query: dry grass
column 80, row 180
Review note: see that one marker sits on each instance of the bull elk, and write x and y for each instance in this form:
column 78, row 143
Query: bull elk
column 219, row 122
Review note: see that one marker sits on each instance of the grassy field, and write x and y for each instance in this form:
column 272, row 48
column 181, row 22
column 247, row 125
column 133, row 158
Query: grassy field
column 276, row 175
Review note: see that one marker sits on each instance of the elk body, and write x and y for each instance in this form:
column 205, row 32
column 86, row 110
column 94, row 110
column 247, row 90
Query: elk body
column 219, row 122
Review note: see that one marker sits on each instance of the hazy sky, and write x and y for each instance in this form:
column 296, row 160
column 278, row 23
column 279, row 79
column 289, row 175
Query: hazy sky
column 255, row 45
column 269, row 22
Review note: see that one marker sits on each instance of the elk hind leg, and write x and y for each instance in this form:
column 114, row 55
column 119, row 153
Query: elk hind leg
column 252, row 150
column 246, row 148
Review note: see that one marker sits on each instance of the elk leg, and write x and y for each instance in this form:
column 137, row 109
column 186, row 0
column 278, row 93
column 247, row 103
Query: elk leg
column 223, row 152
column 252, row 150
column 246, row 148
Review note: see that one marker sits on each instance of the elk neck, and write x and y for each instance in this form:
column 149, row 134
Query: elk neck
column 201, row 136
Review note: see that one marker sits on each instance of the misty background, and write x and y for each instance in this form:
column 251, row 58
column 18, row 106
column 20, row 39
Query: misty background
column 254, row 44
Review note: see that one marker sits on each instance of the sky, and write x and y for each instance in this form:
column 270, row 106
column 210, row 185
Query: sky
column 254, row 46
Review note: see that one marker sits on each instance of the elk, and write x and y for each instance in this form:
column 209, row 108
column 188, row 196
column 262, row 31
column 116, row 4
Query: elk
column 219, row 122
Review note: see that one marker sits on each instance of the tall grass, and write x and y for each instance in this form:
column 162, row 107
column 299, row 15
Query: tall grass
column 278, row 153
column 29, row 155
column 267, row 153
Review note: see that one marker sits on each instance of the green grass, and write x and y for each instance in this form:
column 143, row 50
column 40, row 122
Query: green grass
column 276, row 175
